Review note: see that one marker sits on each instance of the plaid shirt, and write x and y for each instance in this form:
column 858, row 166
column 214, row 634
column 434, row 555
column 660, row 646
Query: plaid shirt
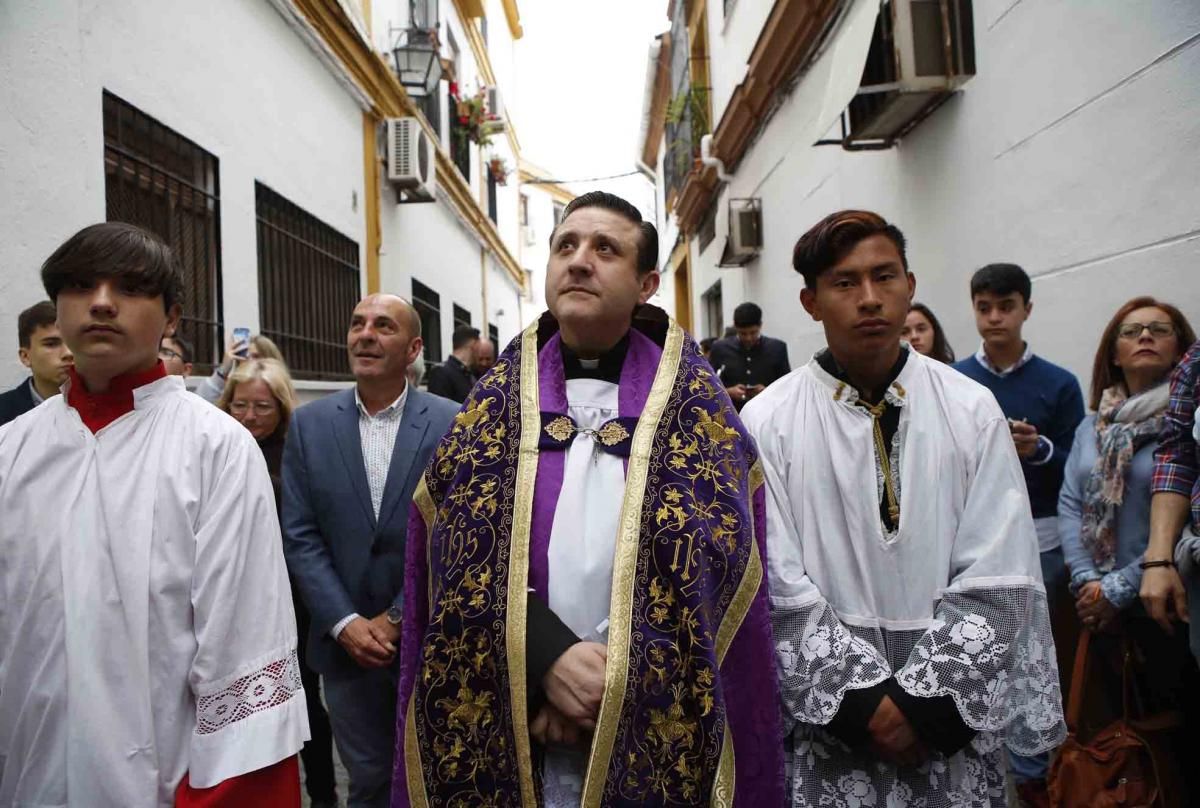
column 1175, row 462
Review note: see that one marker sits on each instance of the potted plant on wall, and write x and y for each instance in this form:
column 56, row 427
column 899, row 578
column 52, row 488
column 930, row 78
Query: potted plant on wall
column 498, row 169
column 473, row 123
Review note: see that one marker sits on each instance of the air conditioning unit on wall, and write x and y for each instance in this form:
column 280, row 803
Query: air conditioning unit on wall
column 921, row 53
column 411, row 160
column 495, row 105
column 745, row 240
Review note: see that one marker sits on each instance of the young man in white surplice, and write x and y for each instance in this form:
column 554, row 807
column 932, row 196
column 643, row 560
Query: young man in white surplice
column 147, row 640
column 910, row 619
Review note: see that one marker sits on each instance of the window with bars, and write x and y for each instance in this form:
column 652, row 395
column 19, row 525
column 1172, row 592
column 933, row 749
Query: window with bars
column 308, row 284
column 423, row 14
column 687, row 111
column 431, row 106
column 714, row 320
column 461, row 316
column 492, row 198
column 156, row 178
column 460, row 147
column 428, row 304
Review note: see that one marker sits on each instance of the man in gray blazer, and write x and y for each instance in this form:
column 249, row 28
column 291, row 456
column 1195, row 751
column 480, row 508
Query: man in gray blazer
column 350, row 465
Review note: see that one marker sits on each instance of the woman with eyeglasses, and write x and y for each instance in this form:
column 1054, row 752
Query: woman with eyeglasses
column 260, row 395
column 239, row 351
column 1104, row 504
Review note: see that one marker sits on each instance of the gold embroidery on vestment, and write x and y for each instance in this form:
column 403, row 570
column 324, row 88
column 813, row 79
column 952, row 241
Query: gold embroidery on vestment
column 412, row 756
column 723, row 783
column 518, row 573
column 612, row 433
column 560, row 428
column 739, row 607
column 625, row 568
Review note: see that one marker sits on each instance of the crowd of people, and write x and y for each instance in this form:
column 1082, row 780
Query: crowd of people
column 609, row 565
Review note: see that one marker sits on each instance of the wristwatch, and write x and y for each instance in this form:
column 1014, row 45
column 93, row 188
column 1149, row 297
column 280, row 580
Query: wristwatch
column 394, row 615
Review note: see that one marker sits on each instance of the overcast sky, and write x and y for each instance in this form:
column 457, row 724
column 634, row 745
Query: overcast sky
column 581, row 72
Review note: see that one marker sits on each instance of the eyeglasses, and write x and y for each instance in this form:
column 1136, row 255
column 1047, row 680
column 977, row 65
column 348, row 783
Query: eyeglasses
column 1157, row 330
column 167, row 353
column 259, row 407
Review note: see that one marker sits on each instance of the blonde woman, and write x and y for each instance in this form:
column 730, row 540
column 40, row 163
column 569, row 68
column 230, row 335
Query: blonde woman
column 238, row 351
column 260, row 395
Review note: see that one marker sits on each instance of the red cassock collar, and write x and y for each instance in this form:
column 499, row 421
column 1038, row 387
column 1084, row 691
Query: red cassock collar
column 98, row 410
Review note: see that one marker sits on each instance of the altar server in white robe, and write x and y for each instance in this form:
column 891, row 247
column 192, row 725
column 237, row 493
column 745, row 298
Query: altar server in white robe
column 147, row 638
column 910, row 620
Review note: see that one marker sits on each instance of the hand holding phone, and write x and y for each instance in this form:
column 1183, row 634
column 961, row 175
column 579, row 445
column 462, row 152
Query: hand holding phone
column 241, row 342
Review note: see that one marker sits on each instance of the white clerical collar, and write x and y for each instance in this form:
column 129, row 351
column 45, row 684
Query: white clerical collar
column 982, row 358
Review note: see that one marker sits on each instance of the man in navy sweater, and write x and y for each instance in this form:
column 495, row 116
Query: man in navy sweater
column 1044, row 405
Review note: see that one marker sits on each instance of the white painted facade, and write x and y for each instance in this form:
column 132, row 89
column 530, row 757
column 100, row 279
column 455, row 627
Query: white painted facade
column 1072, row 152
column 429, row 242
column 535, row 248
column 250, row 82
column 231, row 75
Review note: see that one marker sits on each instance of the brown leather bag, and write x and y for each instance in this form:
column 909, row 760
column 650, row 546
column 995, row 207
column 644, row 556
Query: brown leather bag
column 1121, row 764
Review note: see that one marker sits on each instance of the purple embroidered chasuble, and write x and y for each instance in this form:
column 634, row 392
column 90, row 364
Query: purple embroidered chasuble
column 691, row 713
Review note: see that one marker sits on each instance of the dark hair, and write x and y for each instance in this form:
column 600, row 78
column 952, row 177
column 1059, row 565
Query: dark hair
column 185, row 347
column 647, row 248
column 941, row 348
column 142, row 262
column 39, row 315
column 1104, row 373
column 1001, row 280
column 463, row 336
column 830, row 239
column 706, row 344
column 747, row 314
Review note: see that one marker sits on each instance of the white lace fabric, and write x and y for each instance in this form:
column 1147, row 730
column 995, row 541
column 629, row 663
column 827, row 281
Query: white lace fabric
column 988, row 647
column 991, row 649
column 819, row 660
column 825, row 772
column 268, row 686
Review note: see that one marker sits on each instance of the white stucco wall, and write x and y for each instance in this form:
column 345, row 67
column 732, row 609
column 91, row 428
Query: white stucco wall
column 733, row 36
column 230, row 75
column 428, row 242
column 536, row 255
column 1072, row 152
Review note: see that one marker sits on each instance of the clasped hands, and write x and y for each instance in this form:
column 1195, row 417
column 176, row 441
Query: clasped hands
column 574, row 688
column 893, row 738
column 370, row 643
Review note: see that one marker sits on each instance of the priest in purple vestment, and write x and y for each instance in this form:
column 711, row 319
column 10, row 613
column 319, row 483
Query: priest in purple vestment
column 585, row 613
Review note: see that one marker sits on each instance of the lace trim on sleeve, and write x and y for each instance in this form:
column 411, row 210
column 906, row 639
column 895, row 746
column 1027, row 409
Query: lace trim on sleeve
column 819, row 660
column 267, row 687
column 991, row 649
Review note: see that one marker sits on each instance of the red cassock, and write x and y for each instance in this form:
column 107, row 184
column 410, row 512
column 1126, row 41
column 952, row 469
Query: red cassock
column 276, row 786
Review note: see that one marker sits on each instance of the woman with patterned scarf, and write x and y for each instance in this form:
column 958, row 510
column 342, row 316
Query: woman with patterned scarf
column 1104, row 505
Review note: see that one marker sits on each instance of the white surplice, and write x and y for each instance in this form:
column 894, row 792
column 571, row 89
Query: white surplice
column 951, row 603
column 583, row 539
column 146, row 623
